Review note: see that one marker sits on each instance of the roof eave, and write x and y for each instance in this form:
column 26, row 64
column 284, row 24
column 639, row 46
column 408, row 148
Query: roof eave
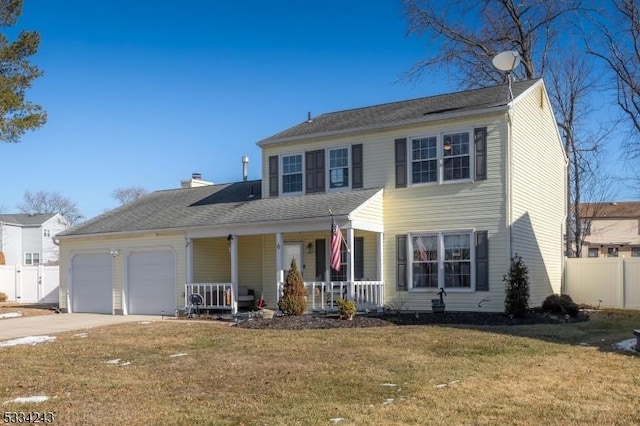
column 421, row 120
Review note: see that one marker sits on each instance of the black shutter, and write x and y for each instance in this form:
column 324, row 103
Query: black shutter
column 321, row 259
column 401, row 163
column 314, row 163
column 356, row 166
column 401, row 250
column 358, row 258
column 482, row 261
column 273, row 176
column 480, row 139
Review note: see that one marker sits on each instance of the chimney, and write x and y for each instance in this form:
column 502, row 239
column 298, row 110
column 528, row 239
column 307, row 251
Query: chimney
column 245, row 167
column 195, row 181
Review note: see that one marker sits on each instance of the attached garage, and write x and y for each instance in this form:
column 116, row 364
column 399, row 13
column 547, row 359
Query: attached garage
column 151, row 282
column 92, row 283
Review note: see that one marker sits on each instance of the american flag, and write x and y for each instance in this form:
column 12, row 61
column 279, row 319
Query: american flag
column 422, row 250
column 336, row 239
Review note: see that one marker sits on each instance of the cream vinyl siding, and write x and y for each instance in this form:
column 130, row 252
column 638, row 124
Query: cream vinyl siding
column 538, row 193
column 211, row 260
column 371, row 211
column 70, row 247
column 250, row 262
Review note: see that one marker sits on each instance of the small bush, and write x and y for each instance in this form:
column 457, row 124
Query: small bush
column 560, row 305
column 516, row 301
column 2, row 260
column 346, row 308
column 294, row 295
column 3, row 297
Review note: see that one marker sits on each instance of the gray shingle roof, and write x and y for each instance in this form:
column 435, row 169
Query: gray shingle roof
column 397, row 113
column 26, row 219
column 217, row 205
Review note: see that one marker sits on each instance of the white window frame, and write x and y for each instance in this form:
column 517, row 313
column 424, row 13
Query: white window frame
column 29, row 259
column 46, row 233
column 328, row 169
column 440, row 158
column 282, row 174
column 590, row 250
column 441, row 261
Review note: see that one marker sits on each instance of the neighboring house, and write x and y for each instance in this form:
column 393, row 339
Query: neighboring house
column 436, row 192
column 612, row 229
column 28, row 239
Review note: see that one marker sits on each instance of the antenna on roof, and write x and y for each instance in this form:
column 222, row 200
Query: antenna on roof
column 507, row 61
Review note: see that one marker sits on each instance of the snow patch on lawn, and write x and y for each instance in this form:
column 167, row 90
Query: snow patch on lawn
column 113, row 361
column 145, row 322
column 10, row 315
column 626, row 345
column 29, row 340
column 177, row 355
column 27, row 399
column 80, row 335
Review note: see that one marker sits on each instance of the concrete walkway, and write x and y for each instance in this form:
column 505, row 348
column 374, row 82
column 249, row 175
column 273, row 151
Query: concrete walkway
column 50, row 324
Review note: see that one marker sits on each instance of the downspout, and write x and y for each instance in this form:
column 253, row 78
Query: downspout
column 509, row 181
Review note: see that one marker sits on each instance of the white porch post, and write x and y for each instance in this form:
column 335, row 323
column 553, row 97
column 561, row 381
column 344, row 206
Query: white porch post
column 234, row 273
column 380, row 261
column 350, row 262
column 189, row 260
column 279, row 272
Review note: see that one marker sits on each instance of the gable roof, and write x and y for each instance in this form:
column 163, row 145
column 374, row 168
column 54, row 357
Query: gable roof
column 402, row 112
column 613, row 210
column 26, row 219
column 230, row 204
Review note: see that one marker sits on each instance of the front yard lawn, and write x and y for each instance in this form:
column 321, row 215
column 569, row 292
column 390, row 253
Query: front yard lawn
column 208, row 373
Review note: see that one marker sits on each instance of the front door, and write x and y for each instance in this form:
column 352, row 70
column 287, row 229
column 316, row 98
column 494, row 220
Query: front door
column 292, row 251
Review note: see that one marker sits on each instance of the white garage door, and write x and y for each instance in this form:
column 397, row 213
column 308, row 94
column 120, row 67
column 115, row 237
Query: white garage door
column 91, row 283
column 151, row 282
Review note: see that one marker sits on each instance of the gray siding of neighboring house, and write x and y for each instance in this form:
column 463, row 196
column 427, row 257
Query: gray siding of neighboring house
column 12, row 244
column 31, row 241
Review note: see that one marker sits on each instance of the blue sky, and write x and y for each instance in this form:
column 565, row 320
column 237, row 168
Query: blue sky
column 145, row 93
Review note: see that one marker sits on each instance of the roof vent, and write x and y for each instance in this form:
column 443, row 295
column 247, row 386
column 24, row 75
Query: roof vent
column 195, row 181
column 196, row 176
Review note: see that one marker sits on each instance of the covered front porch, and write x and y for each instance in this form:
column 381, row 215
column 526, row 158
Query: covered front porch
column 228, row 266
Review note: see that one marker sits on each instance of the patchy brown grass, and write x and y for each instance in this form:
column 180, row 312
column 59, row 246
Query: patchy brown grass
column 27, row 310
column 523, row 375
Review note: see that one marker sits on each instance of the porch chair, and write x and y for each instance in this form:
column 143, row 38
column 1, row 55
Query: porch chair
column 246, row 297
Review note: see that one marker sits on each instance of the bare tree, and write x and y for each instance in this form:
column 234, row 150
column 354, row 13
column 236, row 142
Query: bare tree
column 528, row 26
column 128, row 194
column 619, row 49
column 50, row 202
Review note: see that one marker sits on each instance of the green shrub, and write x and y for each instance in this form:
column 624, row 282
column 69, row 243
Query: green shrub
column 346, row 308
column 516, row 301
column 3, row 297
column 294, row 295
column 560, row 305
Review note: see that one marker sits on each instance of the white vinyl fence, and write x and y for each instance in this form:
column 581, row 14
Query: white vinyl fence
column 30, row 284
column 610, row 282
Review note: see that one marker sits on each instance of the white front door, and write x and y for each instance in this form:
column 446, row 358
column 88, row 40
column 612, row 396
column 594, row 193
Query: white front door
column 292, row 251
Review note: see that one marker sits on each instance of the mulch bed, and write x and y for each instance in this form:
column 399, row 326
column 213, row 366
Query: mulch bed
column 325, row 321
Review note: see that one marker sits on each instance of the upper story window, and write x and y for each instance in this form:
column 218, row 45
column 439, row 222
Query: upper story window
column 32, row 259
column 424, row 160
column 442, row 158
column 338, row 168
column 47, row 233
column 291, row 173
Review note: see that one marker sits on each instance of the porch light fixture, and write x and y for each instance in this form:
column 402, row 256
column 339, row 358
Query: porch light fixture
column 309, row 248
column 229, row 239
column 115, row 253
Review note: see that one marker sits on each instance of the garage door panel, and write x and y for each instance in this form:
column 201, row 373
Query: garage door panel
column 92, row 283
column 151, row 279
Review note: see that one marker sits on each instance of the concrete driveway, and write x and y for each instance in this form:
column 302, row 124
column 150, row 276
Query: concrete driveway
column 50, row 324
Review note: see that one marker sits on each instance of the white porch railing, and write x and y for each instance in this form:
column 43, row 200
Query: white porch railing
column 322, row 296
column 214, row 295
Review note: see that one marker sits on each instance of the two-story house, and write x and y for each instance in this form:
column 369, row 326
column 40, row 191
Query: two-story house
column 428, row 194
column 612, row 229
column 28, row 239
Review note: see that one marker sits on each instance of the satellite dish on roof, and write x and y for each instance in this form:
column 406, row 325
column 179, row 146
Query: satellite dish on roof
column 507, row 60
